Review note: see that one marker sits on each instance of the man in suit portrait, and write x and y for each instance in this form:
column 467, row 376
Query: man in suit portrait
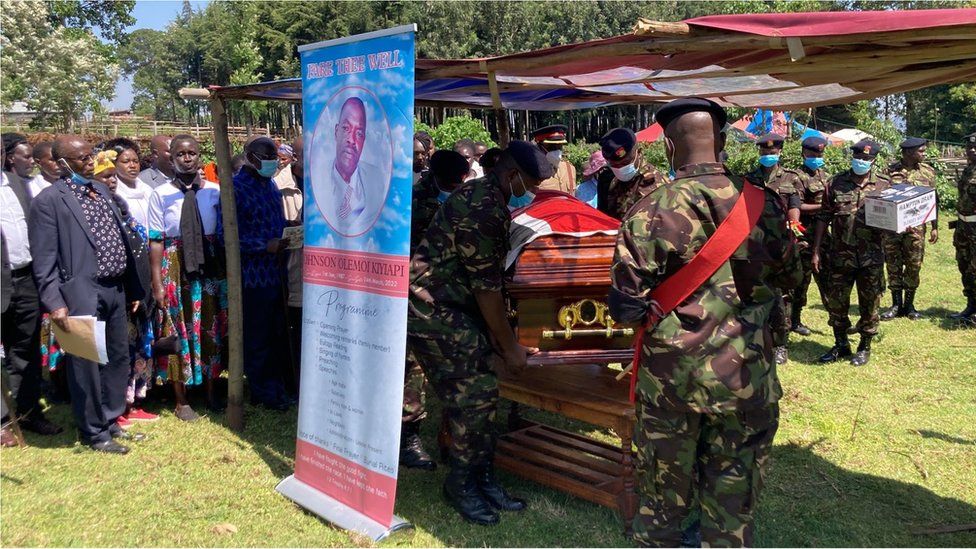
column 355, row 190
column 83, row 265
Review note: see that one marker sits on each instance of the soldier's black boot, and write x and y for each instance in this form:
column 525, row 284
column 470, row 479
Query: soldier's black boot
column 841, row 348
column 966, row 313
column 461, row 491
column 863, row 354
column 412, row 453
column 797, row 325
column 494, row 492
column 897, row 306
column 781, row 354
column 910, row 310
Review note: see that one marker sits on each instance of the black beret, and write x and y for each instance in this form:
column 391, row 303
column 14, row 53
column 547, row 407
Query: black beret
column 555, row 134
column 531, row 159
column 866, row 147
column 11, row 140
column 617, row 143
column 770, row 140
column 913, row 142
column 666, row 114
column 448, row 165
column 814, row 143
column 971, row 138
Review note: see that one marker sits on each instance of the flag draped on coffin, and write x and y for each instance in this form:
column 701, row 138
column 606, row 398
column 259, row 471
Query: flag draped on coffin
column 554, row 212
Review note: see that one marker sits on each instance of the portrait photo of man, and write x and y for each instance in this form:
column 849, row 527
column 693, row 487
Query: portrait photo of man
column 351, row 193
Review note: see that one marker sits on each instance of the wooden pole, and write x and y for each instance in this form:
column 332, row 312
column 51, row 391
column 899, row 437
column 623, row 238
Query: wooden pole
column 232, row 249
column 501, row 120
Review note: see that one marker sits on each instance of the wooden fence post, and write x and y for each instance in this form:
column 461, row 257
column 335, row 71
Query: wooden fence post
column 235, row 325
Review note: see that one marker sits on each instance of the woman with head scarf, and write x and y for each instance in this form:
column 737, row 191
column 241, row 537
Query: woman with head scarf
column 188, row 277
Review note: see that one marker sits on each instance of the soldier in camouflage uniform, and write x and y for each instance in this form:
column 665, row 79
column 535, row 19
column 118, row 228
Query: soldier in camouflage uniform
column 457, row 326
column 446, row 171
column 810, row 182
column 633, row 177
column 772, row 175
column 904, row 252
column 707, row 387
column 965, row 237
column 856, row 255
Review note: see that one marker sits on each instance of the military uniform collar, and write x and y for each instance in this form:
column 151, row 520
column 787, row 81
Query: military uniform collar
column 705, row 168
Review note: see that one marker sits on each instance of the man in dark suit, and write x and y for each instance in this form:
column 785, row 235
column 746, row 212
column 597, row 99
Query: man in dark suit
column 83, row 265
column 20, row 324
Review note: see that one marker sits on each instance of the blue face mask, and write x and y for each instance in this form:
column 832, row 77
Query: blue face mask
column 769, row 160
column 79, row 180
column 813, row 163
column 625, row 173
column 671, row 174
column 268, row 168
column 442, row 196
column 516, row 202
column 860, row 167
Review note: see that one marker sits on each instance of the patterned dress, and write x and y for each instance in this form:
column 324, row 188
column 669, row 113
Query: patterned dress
column 195, row 310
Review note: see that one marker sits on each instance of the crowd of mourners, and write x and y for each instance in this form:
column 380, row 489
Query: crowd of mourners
column 135, row 238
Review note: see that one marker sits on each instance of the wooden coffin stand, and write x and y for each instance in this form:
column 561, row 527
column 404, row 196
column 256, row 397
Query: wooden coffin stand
column 557, row 291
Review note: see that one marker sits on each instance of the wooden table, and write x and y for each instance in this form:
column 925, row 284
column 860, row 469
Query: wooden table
column 576, row 464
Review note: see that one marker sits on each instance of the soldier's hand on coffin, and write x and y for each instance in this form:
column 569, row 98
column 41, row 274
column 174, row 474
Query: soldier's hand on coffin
column 515, row 360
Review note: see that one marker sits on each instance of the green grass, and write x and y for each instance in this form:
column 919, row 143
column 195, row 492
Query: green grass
column 907, row 465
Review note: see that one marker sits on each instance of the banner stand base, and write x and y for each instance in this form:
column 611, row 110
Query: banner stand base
column 335, row 512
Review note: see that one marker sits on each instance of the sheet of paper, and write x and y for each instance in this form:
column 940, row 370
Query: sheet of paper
column 85, row 338
column 295, row 237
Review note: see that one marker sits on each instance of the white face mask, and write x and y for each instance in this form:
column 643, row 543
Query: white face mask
column 625, row 173
column 554, row 157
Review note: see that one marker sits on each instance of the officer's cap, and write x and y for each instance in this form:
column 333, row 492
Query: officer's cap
column 553, row 135
column 913, row 142
column 530, row 159
column 617, row 143
column 666, row 114
column 814, row 143
column 770, row 140
column 866, row 147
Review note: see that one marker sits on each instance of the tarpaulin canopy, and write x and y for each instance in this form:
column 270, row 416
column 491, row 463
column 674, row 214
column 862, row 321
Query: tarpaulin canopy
column 774, row 61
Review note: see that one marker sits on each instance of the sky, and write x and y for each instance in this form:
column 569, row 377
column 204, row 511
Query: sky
column 149, row 14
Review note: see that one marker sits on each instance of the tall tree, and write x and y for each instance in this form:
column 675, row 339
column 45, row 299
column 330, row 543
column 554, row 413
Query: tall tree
column 59, row 73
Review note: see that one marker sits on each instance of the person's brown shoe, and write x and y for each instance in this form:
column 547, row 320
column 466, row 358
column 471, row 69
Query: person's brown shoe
column 7, row 438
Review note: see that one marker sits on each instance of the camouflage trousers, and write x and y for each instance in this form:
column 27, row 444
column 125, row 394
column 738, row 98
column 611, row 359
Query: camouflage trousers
column 465, row 382
column 799, row 294
column 779, row 319
column 903, row 257
column 414, row 397
column 707, row 464
column 841, row 279
column 964, row 240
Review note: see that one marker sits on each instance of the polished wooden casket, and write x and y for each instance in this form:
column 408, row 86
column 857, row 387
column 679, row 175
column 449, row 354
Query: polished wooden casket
column 557, row 299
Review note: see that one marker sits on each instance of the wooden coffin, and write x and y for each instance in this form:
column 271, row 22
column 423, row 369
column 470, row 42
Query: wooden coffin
column 557, row 291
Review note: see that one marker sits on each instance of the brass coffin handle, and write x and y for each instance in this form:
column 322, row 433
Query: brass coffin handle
column 568, row 333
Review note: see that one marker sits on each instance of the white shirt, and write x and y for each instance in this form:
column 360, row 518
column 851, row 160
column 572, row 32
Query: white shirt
column 166, row 208
column 13, row 222
column 37, row 184
column 138, row 200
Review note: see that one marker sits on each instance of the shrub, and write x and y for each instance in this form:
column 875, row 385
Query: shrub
column 578, row 154
column 458, row 127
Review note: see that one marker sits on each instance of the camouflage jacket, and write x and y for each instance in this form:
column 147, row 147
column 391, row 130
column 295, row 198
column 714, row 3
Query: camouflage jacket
column 424, row 206
column 621, row 195
column 713, row 353
column 923, row 175
column 780, row 180
column 810, row 186
column 462, row 251
column 966, row 205
column 853, row 242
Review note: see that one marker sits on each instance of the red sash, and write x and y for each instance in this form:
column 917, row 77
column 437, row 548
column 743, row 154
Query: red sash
column 730, row 234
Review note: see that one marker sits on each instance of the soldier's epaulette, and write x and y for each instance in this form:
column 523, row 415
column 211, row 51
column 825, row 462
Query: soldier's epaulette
column 792, row 171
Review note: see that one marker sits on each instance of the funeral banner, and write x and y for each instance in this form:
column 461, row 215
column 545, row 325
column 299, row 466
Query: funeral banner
column 357, row 99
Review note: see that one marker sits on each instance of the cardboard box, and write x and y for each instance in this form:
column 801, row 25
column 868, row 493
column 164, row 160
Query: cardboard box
column 900, row 207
